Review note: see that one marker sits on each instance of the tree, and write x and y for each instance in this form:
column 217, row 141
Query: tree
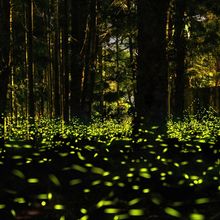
column 56, row 59
column 90, row 63
column 203, row 48
column 4, row 61
column 79, row 13
column 180, row 55
column 152, row 75
column 65, row 59
column 31, row 110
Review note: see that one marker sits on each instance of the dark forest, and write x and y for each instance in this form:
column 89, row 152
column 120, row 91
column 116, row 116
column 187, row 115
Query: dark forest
column 110, row 109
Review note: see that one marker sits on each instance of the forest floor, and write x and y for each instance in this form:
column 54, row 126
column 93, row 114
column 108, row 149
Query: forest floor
column 120, row 179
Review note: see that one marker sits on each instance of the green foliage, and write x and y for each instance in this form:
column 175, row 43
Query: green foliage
column 203, row 72
column 203, row 48
column 205, row 125
column 47, row 130
column 202, row 126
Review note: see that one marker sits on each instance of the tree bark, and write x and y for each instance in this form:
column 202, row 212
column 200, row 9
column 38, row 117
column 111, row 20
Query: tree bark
column 152, row 75
column 65, row 60
column 50, row 85
column 31, row 110
column 180, row 46
column 79, row 13
column 90, row 64
column 56, row 60
column 100, row 72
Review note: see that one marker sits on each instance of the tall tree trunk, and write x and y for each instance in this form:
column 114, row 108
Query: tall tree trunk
column 132, row 64
column 180, row 46
column 25, row 55
column 152, row 79
column 217, row 71
column 31, row 110
column 171, row 67
column 117, row 73
column 13, row 103
column 50, row 69
column 131, row 48
column 56, row 59
column 79, row 11
column 90, row 63
column 100, row 63
column 4, row 61
column 132, row 59
column 65, row 63
column 100, row 72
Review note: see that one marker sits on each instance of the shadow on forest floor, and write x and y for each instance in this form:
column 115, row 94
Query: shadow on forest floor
column 121, row 179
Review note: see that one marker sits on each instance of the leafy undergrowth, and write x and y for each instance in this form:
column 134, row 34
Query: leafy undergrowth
column 109, row 177
column 203, row 127
column 46, row 131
